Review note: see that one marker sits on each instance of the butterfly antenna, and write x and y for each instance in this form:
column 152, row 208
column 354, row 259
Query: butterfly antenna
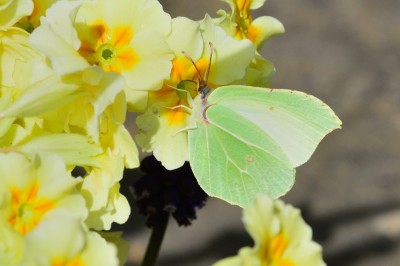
column 209, row 63
column 194, row 64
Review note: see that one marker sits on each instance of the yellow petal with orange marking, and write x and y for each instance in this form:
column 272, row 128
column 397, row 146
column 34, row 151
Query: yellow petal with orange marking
column 86, row 50
column 243, row 5
column 94, row 39
column 278, row 245
column 64, row 262
column 127, row 58
column 176, row 116
column 253, row 34
column 99, row 32
column 183, row 69
column 122, row 36
column 286, row 262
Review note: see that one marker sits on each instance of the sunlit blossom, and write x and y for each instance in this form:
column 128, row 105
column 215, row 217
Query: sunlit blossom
column 124, row 37
column 281, row 237
column 239, row 22
column 31, row 191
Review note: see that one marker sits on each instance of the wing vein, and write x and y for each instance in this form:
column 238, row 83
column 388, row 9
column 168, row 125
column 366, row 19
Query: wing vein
column 249, row 143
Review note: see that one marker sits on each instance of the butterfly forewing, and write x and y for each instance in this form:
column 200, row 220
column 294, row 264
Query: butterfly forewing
column 295, row 121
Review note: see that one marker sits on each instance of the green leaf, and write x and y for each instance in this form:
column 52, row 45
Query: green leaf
column 249, row 140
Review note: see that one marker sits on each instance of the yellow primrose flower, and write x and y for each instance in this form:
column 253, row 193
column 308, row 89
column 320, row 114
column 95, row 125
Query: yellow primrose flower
column 162, row 128
column 73, row 245
column 13, row 10
column 281, row 237
column 126, row 37
column 240, row 24
column 33, row 190
column 120, row 36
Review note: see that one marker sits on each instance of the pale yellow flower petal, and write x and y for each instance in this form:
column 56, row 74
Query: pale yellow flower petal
column 121, row 244
column 137, row 100
column 159, row 131
column 64, row 58
column 100, row 188
column 154, row 65
column 231, row 56
column 14, row 48
column 73, row 245
column 264, row 28
column 186, row 36
column 246, row 257
column 13, row 10
column 12, row 246
column 73, row 148
column 126, row 147
column 58, row 19
column 96, row 245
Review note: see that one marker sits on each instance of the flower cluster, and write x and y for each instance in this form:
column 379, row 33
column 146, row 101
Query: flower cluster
column 70, row 70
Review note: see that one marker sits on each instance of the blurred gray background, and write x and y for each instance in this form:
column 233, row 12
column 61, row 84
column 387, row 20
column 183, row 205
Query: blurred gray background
column 347, row 53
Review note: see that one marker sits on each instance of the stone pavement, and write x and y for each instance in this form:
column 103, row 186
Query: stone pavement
column 346, row 53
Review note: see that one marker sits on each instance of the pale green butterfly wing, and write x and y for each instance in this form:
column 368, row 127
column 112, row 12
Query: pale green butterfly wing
column 251, row 139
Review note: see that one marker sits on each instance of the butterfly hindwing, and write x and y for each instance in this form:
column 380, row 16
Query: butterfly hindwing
column 234, row 170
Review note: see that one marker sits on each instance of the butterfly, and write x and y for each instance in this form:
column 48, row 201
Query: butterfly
column 249, row 140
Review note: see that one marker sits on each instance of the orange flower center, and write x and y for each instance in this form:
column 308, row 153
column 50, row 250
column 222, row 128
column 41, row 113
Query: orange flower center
column 108, row 48
column 27, row 208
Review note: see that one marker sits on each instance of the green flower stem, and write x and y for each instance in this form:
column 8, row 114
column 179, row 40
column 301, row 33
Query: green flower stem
column 156, row 238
